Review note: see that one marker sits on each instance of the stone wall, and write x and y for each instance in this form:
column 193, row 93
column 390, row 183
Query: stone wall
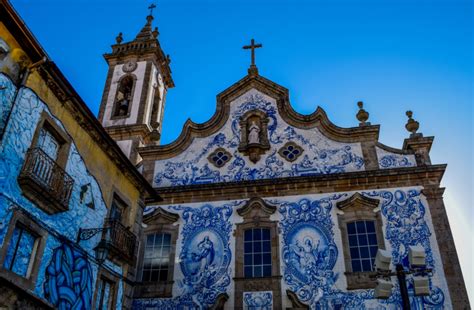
column 406, row 221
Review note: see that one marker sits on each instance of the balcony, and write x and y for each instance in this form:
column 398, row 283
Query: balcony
column 120, row 239
column 44, row 182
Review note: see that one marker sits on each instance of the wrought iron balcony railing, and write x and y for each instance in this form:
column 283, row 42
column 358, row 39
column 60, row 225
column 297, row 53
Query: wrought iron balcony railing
column 121, row 240
column 45, row 182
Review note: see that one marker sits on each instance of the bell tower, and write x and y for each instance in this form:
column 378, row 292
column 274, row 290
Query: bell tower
column 134, row 96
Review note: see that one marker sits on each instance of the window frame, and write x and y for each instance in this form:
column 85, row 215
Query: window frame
column 122, row 202
column 30, row 187
column 262, row 265
column 105, row 276
column 256, row 214
column 26, row 223
column 359, row 208
column 359, row 246
column 48, row 123
column 159, row 221
column 145, row 241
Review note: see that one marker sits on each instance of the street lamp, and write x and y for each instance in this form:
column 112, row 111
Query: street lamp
column 102, row 248
column 417, row 260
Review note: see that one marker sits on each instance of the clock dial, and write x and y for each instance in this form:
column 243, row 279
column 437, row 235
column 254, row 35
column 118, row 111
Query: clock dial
column 129, row 66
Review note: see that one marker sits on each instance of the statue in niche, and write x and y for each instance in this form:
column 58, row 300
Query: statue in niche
column 254, row 133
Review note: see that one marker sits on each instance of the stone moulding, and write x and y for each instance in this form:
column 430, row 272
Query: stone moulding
column 160, row 212
column 317, row 119
column 220, row 302
column 295, row 302
column 256, row 203
column 358, row 200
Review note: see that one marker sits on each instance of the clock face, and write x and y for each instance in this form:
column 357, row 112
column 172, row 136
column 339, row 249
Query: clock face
column 129, row 66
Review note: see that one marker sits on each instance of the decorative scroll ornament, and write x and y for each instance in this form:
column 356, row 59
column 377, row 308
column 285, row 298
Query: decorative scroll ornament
column 206, row 254
column 310, row 252
column 258, row 300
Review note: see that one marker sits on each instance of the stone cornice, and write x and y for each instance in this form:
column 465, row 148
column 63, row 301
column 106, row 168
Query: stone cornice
column 433, row 192
column 139, row 130
column 142, row 49
column 393, row 150
column 341, row 182
column 20, row 32
column 417, row 142
column 317, row 119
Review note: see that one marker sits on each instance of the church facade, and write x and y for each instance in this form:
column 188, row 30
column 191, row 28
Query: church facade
column 260, row 207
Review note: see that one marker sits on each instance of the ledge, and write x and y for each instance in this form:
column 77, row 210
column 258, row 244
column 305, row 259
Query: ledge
column 351, row 181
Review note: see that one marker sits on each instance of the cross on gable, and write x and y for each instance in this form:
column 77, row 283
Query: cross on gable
column 151, row 7
column 252, row 48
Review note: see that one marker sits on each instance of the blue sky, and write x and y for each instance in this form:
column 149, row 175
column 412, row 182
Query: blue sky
column 393, row 55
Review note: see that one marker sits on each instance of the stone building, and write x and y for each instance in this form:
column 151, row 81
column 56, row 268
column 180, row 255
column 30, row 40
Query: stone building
column 64, row 186
column 260, row 207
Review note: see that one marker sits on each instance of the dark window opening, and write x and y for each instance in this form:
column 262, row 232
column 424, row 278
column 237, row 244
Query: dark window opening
column 124, row 96
column 362, row 245
column 21, row 251
column 105, row 295
column 156, row 260
column 257, row 253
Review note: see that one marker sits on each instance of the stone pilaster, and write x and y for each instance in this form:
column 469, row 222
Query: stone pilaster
column 370, row 155
column 447, row 248
column 421, row 147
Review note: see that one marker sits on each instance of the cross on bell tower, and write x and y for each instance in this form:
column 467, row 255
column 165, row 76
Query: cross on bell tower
column 151, row 7
column 253, row 68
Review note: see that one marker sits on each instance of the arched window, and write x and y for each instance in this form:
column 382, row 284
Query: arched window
column 123, row 98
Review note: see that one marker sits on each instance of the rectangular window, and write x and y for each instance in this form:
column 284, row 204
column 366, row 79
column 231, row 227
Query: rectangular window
column 48, row 143
column 257, row 253
column 156, row 259
column 105, row 294
column 117, row 209
column 362, row 245
column 21, row 252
